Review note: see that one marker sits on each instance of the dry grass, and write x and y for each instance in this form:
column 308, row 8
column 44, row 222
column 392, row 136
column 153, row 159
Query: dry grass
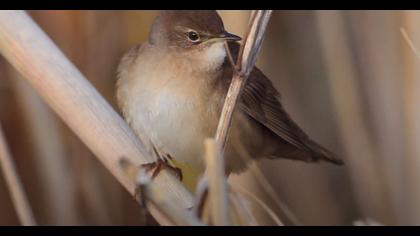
column 30, row 55
column 350, row 79
column 14, row 183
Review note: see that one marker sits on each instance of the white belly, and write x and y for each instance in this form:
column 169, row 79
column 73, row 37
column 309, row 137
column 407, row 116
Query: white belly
column 172, row 123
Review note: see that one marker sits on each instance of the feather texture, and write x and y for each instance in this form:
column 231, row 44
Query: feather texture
column 261, row 101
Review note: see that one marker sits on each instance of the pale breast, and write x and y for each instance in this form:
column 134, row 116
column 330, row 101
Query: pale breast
column 166, row 105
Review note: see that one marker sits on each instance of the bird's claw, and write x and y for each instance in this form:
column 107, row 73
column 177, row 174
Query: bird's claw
column 160, row 165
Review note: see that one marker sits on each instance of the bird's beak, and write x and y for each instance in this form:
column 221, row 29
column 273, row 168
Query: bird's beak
column 225, row 36
column 229, row 37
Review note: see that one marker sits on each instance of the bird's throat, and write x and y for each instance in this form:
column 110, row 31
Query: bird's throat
column 212, row 57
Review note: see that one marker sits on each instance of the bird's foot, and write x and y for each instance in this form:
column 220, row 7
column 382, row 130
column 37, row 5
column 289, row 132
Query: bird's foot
column 160, row 165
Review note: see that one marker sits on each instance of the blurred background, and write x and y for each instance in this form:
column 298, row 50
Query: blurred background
column 350, row 79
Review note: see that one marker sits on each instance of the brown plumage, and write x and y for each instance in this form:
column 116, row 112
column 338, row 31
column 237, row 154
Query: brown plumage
column 261, row 101
column 171, row 90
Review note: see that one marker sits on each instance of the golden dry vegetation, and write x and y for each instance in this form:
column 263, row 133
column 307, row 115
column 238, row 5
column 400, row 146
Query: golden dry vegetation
column 349, row 78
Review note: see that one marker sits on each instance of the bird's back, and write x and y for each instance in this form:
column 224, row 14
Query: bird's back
column 283, row 138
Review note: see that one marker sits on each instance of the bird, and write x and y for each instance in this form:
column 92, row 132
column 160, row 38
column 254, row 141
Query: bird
column 171, row 90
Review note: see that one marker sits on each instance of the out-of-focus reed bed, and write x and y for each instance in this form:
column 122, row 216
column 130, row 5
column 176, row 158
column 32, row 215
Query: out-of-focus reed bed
column 349, row 78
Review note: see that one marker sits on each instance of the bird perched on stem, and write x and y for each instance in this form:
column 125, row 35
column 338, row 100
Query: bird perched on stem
column 171, row 90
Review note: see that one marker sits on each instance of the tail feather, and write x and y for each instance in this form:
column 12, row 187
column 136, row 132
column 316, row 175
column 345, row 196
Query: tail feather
column 320, row 153
column 310, row 152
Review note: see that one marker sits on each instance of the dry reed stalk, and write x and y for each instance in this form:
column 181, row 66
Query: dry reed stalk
column 215, row 172
column 246, row 60
column 97, row 38
column 245, row 63
column 410, row 42
column 14, row 184
column 168, row 209
column 411, row 98
column 347, row 106
column 266, row 186
column 367, row 222
column 261, row 203
column 241, row 208
column 148, row 194
column 80, row 106
column 377, row 43
column 51, row 163
column 216, row 202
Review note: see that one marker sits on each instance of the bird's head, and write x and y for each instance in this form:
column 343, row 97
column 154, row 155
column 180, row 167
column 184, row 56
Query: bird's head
column 199, row 33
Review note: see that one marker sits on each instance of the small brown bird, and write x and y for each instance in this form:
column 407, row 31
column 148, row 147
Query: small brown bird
column 171, row 90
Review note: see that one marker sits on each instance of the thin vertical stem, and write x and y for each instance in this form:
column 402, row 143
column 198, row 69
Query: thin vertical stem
column 246, row 61
column 14, row 184
column 217, row 184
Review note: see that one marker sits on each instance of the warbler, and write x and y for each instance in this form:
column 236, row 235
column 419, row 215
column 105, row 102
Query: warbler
column 171, row 90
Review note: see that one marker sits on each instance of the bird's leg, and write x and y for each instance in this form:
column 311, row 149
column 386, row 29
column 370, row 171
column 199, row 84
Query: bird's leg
column 176, row 170
column 149, row 166
column 153, row 166
column 160, row 164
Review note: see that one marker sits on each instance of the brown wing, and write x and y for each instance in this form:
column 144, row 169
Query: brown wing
column 261, row 101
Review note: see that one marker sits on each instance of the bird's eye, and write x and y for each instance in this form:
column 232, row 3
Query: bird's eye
column 193, row 36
